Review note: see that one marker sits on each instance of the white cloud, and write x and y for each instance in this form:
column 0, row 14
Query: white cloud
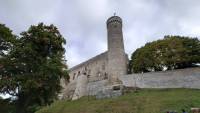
column 83, row 22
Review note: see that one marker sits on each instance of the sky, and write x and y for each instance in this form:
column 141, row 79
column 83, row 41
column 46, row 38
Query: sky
column 83, row 22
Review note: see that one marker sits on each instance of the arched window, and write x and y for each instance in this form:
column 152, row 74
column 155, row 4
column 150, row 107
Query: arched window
column 103, row 66
column 74, row 76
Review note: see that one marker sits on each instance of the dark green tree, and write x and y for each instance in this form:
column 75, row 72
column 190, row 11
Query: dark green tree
column 7, row 39
column 34, row 67
column 172, row 52
column 6, row 106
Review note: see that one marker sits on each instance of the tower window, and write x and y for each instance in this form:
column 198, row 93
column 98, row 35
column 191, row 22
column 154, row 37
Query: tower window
column 105, row 76
column 74, row 77
column 103, row 66
column 89, row 71
column 99, row 74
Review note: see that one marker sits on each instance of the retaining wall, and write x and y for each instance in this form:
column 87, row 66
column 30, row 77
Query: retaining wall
column 180, row 78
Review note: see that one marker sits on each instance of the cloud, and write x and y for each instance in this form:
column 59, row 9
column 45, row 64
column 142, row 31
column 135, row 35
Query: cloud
column 83, row 22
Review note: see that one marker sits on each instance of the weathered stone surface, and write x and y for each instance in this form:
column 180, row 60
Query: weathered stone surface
column 94, row 87
column 81, row 87
column 102, row 74
column 110, row 92
column 95, row 68
column 180, row 78
column 109, row 64
column 68, row 91
column 117, row 60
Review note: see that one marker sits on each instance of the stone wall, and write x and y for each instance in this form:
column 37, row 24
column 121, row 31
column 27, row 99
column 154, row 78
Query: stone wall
column 95, row 68
column 81, row 87
column 181, row 78
column 94, row 87
column 110, row 64
column 68, row 90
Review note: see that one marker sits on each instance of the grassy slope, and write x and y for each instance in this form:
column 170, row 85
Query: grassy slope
column 145, row 101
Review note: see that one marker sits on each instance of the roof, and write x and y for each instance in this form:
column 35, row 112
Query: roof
column 88, row 61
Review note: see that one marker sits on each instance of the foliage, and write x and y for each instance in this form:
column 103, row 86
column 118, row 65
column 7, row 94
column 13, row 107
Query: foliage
column 172, row 52
column 144, row 101
column 33, row 68
column 6, row 39
column 6, row 106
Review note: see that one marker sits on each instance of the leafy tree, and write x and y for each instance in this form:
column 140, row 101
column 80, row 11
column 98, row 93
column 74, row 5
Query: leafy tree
column 7, row 39
column 172, row 52
column 6, row 106
column 34, row 67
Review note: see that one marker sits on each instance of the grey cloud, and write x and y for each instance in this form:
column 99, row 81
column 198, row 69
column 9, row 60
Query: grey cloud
column 83, row 22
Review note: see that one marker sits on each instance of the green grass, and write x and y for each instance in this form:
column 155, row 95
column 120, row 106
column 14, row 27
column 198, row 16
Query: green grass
column 144, row 101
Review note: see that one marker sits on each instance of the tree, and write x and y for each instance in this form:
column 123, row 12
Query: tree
column 7, row 43
column 34, row 68
column 6, row 39
column 6, row 106
column 172, row 52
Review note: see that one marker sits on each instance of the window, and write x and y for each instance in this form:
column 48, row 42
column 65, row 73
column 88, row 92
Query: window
column 99, row 74
column 74, row 76
column 103, row 66
column 89, row 71
column 105, row 76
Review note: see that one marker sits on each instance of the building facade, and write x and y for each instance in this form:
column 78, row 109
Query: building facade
column 98, row 76
column 109, row 64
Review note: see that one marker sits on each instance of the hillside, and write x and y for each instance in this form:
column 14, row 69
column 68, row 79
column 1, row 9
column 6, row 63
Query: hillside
column 144, row 101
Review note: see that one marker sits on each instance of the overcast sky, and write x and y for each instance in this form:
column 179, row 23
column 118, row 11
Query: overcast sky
column 83, row 22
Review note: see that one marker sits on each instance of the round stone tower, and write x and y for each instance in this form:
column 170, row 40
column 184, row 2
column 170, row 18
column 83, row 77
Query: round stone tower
column 117, row 59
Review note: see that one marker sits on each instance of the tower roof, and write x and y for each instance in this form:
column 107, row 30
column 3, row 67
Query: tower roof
column 114, row 19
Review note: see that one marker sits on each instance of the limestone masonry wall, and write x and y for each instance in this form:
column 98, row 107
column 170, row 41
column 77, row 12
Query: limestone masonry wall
column 99, row 74
column 94, row 87
column 180, row 78
column 95, row 68
column 117, row 61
